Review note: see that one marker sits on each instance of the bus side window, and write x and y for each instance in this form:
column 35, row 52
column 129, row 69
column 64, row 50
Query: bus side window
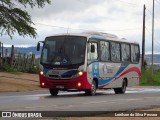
column 92, row 55
column 125, row 51
column 104, row 48
column 137, row 53
column 134, row 53
column 115, row 52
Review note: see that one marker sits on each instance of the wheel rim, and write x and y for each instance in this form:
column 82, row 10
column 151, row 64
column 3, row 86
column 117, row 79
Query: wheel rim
column 124, row 86
column 93, row 88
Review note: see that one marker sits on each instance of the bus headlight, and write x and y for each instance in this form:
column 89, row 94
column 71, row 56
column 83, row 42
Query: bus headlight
column 41, row 73
column 41, row 70
column 80, row 73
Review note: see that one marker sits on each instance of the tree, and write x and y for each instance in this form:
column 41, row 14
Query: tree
column 14, row 19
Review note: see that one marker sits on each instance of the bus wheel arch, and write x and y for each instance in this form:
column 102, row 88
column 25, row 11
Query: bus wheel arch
column 122, row 89
column 92, row 90
column 126, row 80
column 96, row 81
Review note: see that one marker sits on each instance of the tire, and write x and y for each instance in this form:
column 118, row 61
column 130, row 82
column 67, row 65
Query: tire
column 53, row 92
column 92, row 91
column 121, row 90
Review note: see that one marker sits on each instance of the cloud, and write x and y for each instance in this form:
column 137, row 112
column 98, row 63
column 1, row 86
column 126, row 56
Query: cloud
column 121, row 17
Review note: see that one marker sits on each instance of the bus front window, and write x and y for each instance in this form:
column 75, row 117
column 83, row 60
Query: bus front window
column 63, row 50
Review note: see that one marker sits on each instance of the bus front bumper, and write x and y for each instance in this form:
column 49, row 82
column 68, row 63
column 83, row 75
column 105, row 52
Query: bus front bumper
column 79, row 83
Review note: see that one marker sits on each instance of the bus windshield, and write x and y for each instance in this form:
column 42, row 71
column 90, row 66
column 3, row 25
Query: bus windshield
column 63, row 50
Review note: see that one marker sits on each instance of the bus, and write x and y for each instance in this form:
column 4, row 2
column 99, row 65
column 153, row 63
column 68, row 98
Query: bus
column 88, row 61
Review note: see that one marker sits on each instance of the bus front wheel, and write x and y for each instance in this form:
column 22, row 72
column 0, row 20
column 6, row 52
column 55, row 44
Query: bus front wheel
column 121, row 90
column 92, row 91
column 53, row 92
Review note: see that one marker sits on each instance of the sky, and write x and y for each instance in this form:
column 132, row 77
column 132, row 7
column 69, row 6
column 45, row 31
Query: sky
column 123, row 18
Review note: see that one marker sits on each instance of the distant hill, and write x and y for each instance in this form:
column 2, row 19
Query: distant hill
column 27, row 50
column 33, row 50
column 156, row 58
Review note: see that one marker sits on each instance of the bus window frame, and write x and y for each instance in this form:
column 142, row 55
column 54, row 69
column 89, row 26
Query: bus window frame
column 91, row 40
column 120, row 52
column 100, row 51
column 129, row 52
column 135, row 62
column 95, row 40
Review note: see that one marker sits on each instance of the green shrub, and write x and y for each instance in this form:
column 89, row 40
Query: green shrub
column 7, row 68
column 149, row 79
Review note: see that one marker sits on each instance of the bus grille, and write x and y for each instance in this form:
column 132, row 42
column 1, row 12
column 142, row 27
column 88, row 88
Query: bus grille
column 66, row 76
column 59, row 77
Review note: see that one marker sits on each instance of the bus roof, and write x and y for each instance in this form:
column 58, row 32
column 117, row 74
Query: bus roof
column 98, row 35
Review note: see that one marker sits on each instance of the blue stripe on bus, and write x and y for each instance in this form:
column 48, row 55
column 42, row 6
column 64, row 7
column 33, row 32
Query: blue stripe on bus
column 105, row 81
column 45, row 70
column 95, row 70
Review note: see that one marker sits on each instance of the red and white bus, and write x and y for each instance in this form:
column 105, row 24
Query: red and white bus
column 87, row 62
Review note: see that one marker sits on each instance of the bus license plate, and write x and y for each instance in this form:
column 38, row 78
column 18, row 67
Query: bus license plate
column 60, row 87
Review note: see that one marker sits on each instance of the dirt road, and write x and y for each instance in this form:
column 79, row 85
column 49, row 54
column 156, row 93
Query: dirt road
column 18, row 82
column 29, row 82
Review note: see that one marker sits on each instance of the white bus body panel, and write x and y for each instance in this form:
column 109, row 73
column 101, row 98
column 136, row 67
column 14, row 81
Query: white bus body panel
column 111, row 75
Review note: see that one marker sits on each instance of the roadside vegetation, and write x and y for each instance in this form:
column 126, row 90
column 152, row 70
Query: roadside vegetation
column 20, row 62
column 148, row 79
column 8, row 68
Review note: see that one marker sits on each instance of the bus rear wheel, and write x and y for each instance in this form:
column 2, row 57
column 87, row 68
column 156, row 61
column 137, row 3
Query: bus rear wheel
column 121, row 90
column 92, row 91
column 53, row 92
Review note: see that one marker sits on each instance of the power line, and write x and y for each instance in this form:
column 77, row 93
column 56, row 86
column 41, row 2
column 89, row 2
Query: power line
column 157, row 1
column 151, row 15
column 151, row 34
column 149, row 12
column 122, row 29
column 157, row 42
column 148, row 23
column 50, row 25
column 126, row 29
column 148, row 30
column 132, row 4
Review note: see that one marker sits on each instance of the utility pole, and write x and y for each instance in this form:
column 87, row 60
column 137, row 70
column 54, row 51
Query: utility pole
column 143, row 37
column 2, row 51
column 152, row 37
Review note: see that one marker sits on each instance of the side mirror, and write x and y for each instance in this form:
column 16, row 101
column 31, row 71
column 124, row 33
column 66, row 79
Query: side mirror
column 92, row 48
column 38, row 46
